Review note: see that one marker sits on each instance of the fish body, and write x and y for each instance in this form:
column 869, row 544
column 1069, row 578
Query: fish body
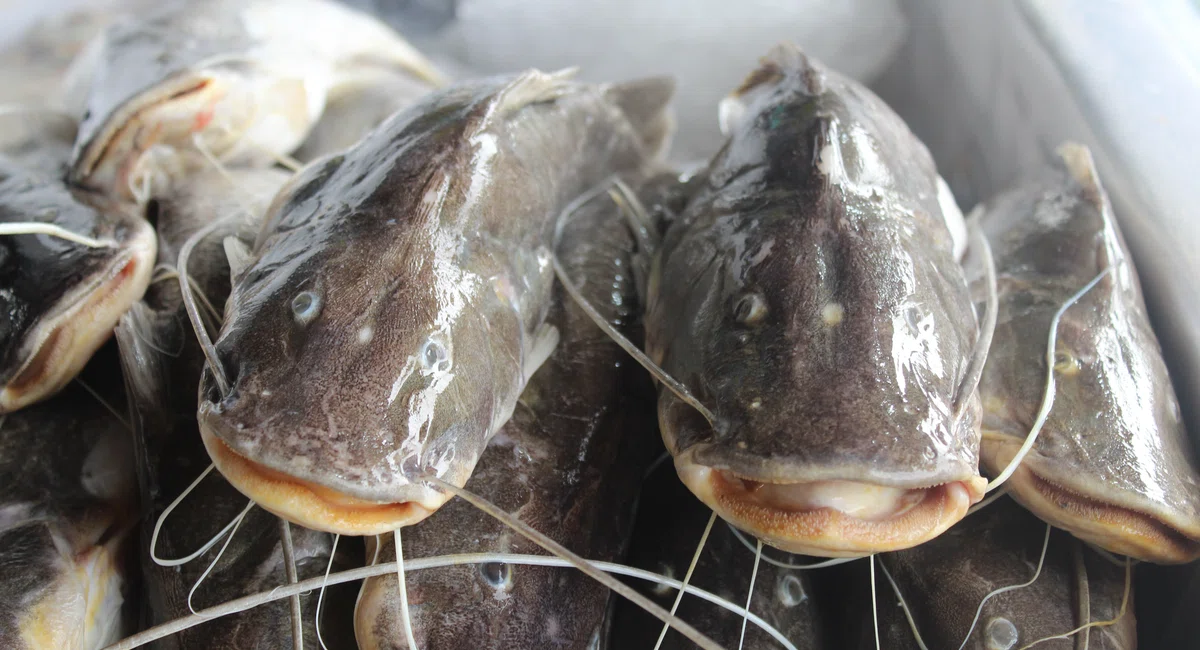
column 59, row 299
column 242, row 81
column 67, row 504
column 163, row 362
column 396, row 301
column 809, row 295
column 944, row 581
column 569, row 464
column 1113, row 463
column 670, row 522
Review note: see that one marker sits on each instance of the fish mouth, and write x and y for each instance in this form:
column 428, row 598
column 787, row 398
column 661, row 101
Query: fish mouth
column 62, row 345
column 1112, row 527
column 832, row 518
column 311, row 505
column 167, row 114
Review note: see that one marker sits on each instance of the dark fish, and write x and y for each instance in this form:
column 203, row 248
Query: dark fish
column 944, row 581
column 67, row 504
column 568, row 463
column 809, row 295
column 162, row 363
column 1113, row 463
column 247, row 78
column 59, row 299
column 670, row 522
column 396, row 304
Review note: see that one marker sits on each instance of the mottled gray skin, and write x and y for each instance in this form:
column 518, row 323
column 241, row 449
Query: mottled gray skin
column 1114, row 435
column 38, row 141
column 162, row 363
column 821, row 196
column 427, row 249
column 67, row 501
column 943, row 582
column 669, row 525
column 45, row 280
column 569, row 463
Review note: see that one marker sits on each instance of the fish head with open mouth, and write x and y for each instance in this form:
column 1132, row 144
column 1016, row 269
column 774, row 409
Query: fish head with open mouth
column 59, row 299
column 235, row 81
column 809, row 296
column 1112, row 463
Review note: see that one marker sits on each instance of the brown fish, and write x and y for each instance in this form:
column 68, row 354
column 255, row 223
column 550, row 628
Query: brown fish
column 1113, row 463
column 944, row 581
column 810, row 297
column 163, row 362
column 568, row 463
column 395, row 305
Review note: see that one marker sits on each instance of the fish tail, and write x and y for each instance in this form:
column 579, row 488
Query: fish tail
column 646, row 103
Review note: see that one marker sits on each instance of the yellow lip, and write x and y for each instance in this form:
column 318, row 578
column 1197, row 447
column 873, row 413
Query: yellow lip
column 827, row 532
column 64, row 348
column 309, row 505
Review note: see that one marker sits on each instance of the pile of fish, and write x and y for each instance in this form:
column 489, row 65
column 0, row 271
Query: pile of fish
column 280, row 301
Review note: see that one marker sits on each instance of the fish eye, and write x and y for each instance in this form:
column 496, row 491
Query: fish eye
column 497, row 574
column 305, row 307
column 750, row 309
column 790, row 590
column 1065, row 363
column 1000, row 634
column 433, row 354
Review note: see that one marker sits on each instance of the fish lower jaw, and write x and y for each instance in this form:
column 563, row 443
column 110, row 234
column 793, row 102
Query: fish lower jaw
column 310, row 505
column 832, row 518
column 65, row 349
column 1114, row 528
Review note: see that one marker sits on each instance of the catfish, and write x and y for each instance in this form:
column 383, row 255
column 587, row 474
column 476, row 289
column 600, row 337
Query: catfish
column 943, row 582
column 67, row 506
column 59, row 298
column 569, row 463
column 163, row 361
column 669, row 524
column 394, row 305
column 1113, row 463
column 239, row 81
column 810, row 297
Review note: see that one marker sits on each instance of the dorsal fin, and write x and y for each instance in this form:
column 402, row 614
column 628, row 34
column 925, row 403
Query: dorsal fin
column 646, row 102
column 782, row 62
column 532, row 87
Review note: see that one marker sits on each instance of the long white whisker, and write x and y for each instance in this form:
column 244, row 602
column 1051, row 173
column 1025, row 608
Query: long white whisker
column 279, row 593
column 987, row 501
column 1001, row 590
column 874, row 600
column 404, row 615
column 237, row 522
column 108, row 407
column 912, row 623
column 34, row 228
column 632, row 350
column 1120, row 613
column 1048, row 397
column 289, row 566
column 189, row 304
column 687, row 577
column 579, row 563
column 167, row 511
column 750, row 595
column 321, row 595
